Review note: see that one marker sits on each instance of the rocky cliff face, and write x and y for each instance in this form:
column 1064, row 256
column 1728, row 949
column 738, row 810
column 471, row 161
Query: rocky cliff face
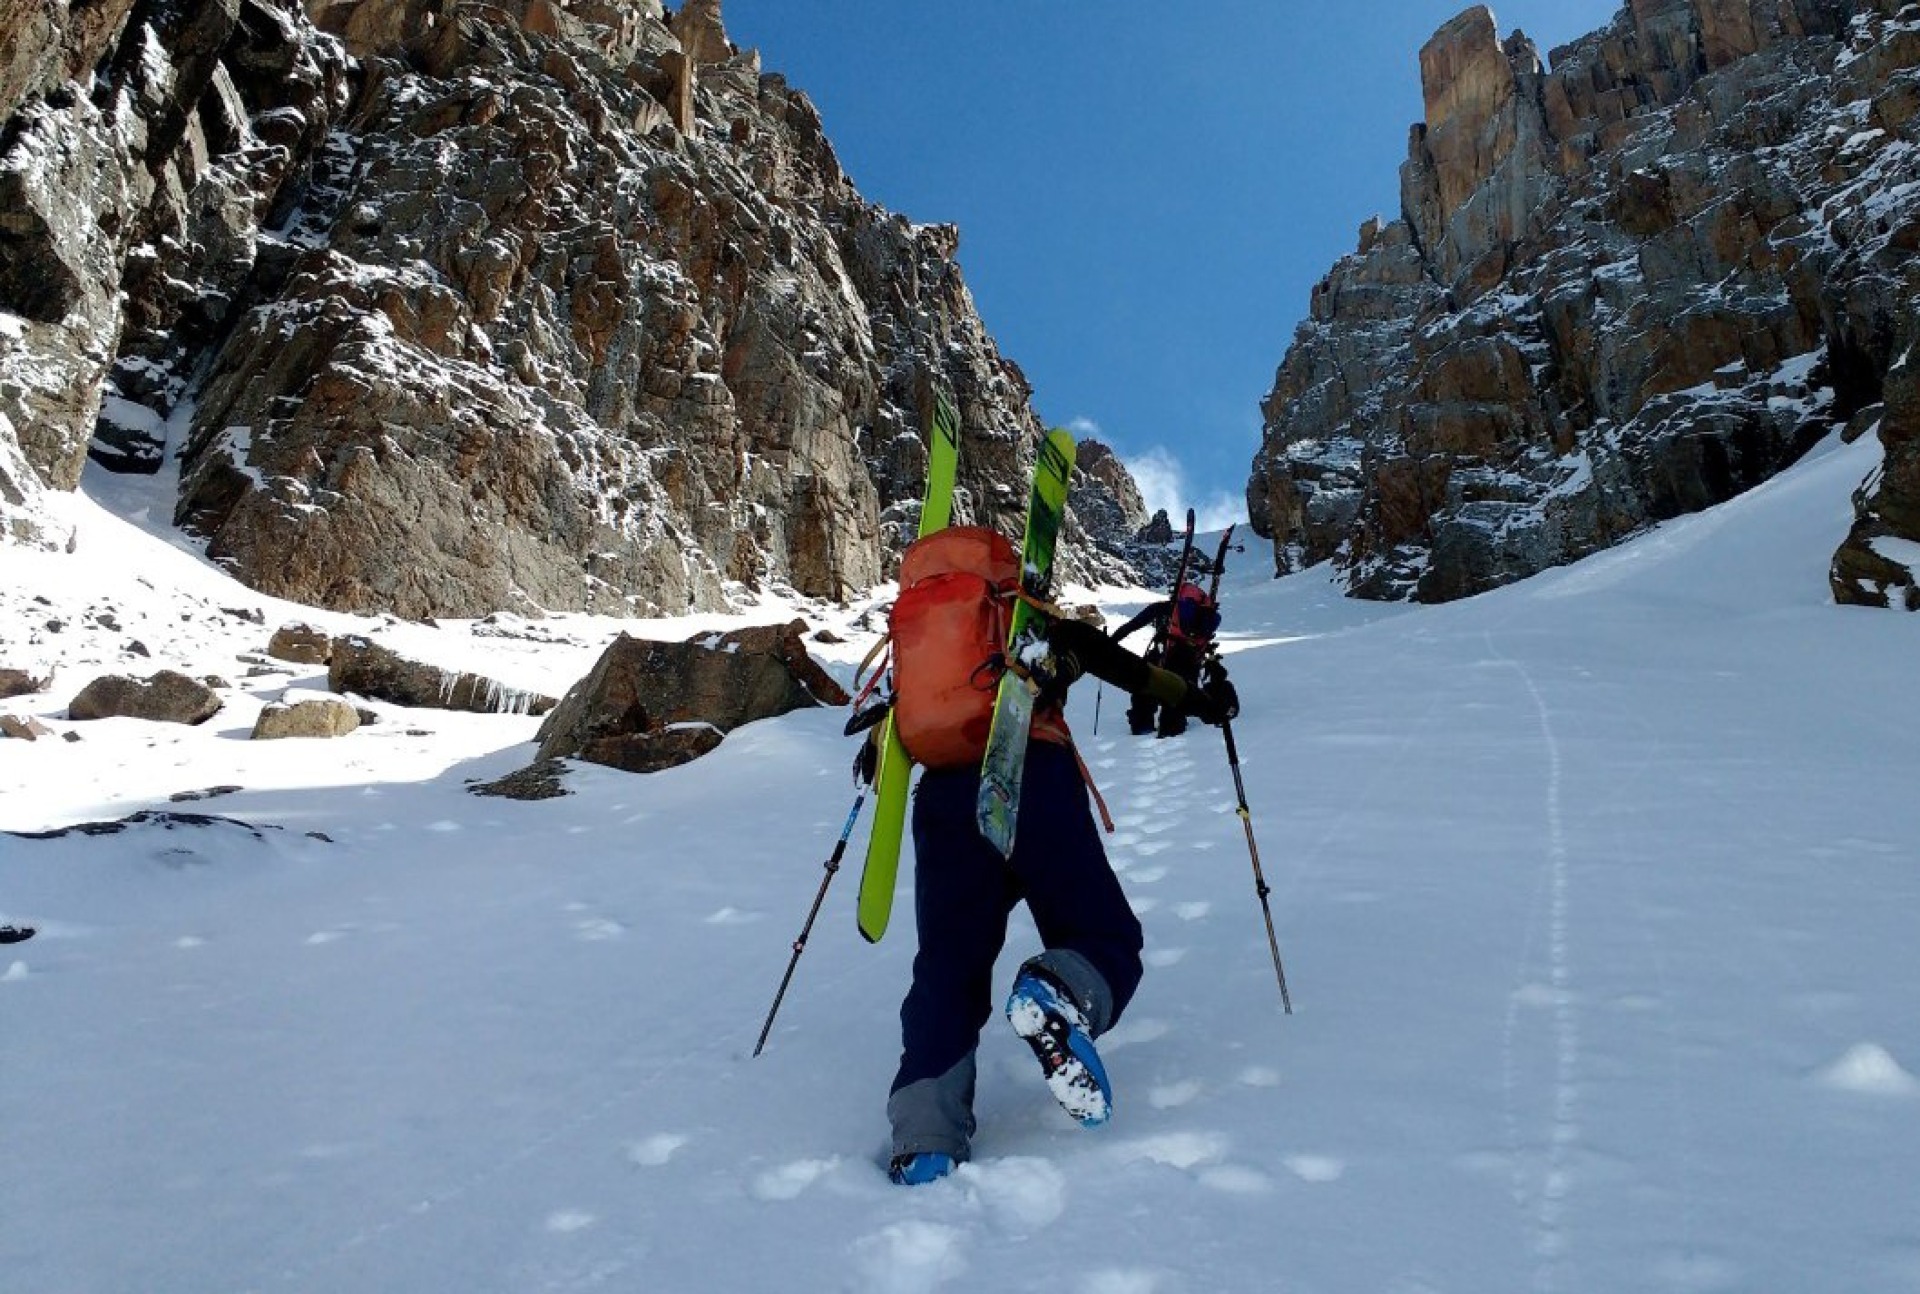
column 447, row 308
column 1621, row 289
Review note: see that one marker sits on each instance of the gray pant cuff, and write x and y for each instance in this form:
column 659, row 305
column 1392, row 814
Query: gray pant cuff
column 1088, row 986
column 935, row 1113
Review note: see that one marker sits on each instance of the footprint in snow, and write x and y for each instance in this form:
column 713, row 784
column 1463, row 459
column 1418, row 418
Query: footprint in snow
column 1701, row 1272
column 1235, row 1179
column 1160, row 958
column 319, row 937
column 734, row 917
column 909, row 1258
column 1182, row 1150
column 1021, row 1195
column 1170, row 1096
column 1260, row 1076
column 593, row 930
column 1316, row 1168
column 655, row 1151
column 569, row 1220
column 1147, row 875
column 1131, row 1032
column 1150, row 847
column 788, row 1180
column 1143, row 905
column 1119, row 1280
column 1870, row 1069
column 1192, row 911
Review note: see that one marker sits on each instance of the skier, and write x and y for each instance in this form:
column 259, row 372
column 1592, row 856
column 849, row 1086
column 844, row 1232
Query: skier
column 1183, row 628
column 15, row 934
column 1077, row 988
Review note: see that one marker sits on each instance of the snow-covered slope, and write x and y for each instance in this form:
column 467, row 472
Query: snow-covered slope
column 1596, row 895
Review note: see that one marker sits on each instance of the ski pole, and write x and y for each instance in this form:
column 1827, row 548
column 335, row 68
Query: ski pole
column 1253, row 850
column 800, row 944
column 1099, row 695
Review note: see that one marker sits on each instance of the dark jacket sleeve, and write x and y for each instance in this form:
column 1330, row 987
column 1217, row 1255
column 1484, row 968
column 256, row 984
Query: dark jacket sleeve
column 1079, row 648
column 1148, row 614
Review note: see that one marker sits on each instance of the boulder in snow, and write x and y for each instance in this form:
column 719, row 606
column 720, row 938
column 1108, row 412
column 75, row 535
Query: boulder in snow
column 364, row 668
column 301, row 644
column 166, row 697
column 652, row 705
column 17, row 682
column 324, row 716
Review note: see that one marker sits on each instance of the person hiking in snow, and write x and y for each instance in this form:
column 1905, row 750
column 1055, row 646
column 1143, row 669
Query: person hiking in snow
column 1183, row 628
column 1079, row 985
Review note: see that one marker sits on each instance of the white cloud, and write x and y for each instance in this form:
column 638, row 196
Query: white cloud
column 1163, row 484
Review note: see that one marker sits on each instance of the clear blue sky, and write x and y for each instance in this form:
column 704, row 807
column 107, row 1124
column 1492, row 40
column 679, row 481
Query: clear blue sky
column 1146, row 193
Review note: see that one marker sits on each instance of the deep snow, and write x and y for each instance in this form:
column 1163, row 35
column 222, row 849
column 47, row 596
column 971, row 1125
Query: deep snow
column 1597, row 896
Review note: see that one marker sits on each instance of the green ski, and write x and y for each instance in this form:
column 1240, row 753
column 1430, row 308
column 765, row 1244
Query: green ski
column 896, row 767
column 1005, row 762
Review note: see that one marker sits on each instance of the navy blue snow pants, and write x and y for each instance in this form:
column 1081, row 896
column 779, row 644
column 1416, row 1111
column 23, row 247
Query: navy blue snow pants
column 963, row 894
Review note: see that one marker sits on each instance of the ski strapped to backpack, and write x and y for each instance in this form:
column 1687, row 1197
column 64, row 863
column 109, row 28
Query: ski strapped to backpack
column 1179, row 579
column 894, row 771
column 1004, row 764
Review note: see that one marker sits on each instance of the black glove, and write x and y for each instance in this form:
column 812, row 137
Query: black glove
column 1058, row 672
column 866, row 760
column 1214, row 700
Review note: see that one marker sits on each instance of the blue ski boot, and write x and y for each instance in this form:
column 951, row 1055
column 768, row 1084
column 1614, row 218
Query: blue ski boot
column 920, row 1168
column 1044, row 1013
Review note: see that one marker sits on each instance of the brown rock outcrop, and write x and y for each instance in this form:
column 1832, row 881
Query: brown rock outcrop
column 17, row 682
column 446, row 316
column 1879, row 563
column 651, row 705
column 1620, row 289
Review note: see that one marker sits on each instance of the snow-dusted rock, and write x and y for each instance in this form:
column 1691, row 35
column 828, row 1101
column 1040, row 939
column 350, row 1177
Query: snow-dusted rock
column 1619, row 290
column 166, row 697
column 649, row 705
column 446, row 315
column 323, row 716
column 363, row 667
column 300, row 644
column 23, row 727
column 17, row 682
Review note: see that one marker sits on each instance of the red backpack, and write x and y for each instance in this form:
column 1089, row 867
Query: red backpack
column 1194, row 617
column 949, row 633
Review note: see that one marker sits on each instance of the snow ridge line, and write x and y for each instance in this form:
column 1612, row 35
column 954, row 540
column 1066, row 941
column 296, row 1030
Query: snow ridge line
column 1547, row 1205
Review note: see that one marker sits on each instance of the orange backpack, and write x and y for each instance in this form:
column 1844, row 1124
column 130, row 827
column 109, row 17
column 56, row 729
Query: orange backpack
column 949, row 632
